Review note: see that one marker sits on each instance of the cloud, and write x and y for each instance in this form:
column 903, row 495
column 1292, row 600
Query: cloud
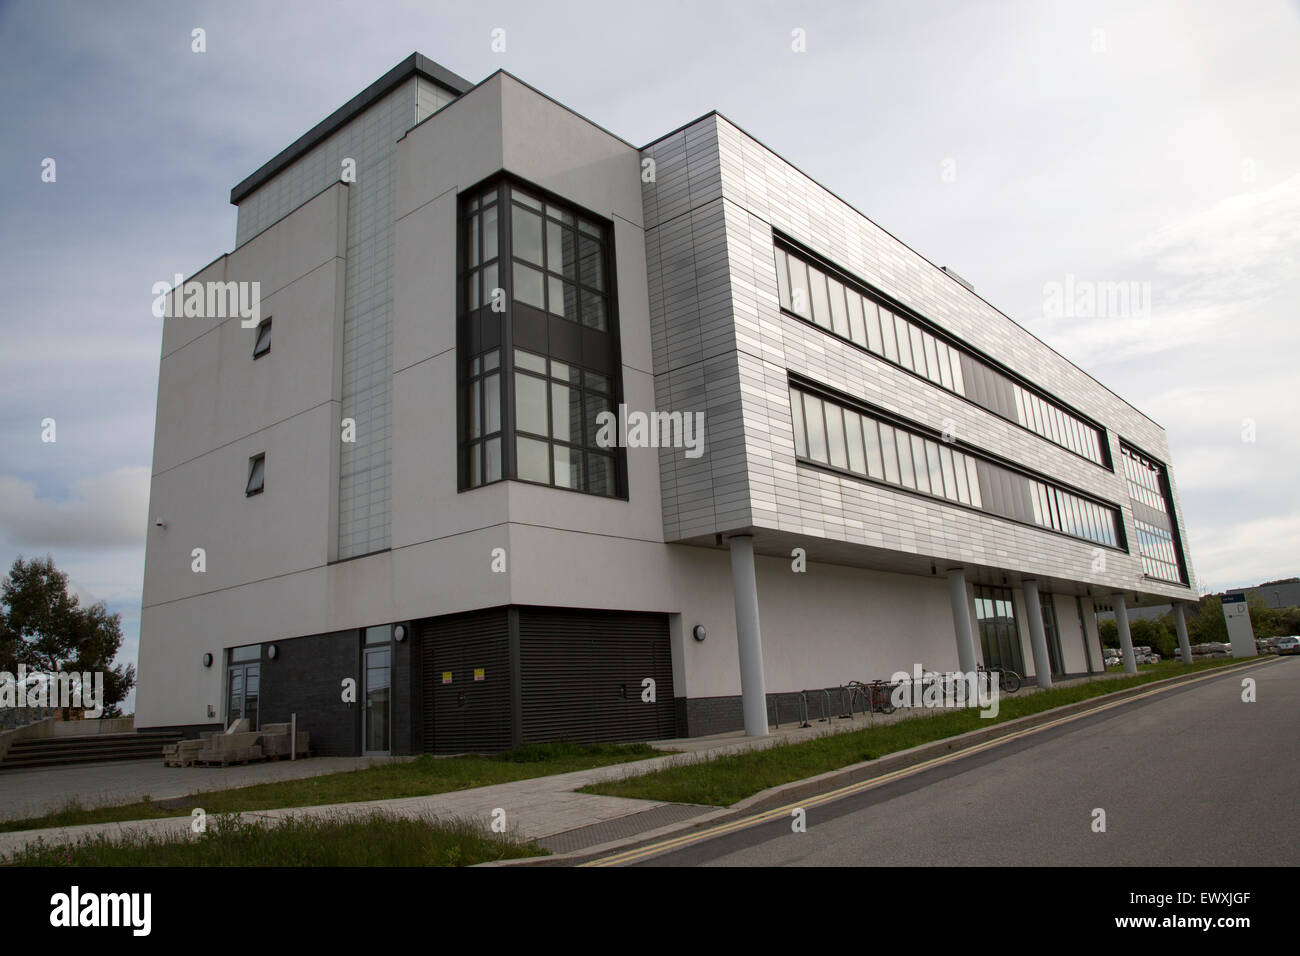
column 105, row 511
column 1192, row 277
column 1236, row 553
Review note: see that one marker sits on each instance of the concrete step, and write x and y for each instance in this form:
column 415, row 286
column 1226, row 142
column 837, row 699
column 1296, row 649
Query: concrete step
column 56, row 751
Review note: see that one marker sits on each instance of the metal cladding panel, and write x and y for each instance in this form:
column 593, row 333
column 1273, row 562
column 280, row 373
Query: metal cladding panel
column 583, row 672
column 465, row 715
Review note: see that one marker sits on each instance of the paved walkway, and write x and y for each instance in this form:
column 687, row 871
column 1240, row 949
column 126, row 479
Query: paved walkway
column 540, row 808
column 546, row 809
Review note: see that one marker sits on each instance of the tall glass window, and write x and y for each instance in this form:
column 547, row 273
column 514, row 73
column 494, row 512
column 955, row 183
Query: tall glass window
column 1153, row 511
column 538, row 343
column 1052, row 632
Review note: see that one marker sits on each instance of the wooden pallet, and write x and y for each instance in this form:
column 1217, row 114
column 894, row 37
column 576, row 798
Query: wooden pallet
column 224, row 758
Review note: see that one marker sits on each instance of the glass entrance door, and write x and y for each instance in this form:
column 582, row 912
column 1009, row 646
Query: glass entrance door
column 999, row 637
column 243, row 682
column 378, row 669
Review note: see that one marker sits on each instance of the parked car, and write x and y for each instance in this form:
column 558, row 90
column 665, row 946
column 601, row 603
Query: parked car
column 1288, row 645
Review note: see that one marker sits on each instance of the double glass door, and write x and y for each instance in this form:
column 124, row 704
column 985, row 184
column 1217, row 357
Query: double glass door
column 999, row 637
column 243, row 682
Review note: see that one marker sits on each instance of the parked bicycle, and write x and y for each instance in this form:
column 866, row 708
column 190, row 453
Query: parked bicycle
column 878, row 695
column 1008, row 680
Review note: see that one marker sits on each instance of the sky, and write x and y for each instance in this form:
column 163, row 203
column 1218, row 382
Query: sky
column 1029, row 146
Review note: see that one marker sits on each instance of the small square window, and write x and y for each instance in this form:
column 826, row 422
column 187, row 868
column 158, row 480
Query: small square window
column 256, row 475
column 263, row 344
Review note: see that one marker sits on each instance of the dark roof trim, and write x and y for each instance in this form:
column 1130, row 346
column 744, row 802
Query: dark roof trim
column 414, row 65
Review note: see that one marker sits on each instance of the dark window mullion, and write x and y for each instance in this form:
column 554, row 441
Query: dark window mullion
column 505, row 277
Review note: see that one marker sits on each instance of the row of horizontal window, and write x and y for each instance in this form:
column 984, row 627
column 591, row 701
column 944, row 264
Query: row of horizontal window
column 1145, row 479
column 1158, row 552
column 1160, row 569
column 832, row 434
column 1156, row 541
column 808, row 291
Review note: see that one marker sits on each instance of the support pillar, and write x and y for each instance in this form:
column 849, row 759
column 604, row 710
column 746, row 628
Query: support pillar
column 1125, row 638
column 961, row 620
column 1037, row 635
column 1180, row 625
column 749, row 642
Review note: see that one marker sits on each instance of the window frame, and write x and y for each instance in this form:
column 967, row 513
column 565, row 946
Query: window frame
column 1052, row 423
column 478, row 324
column 263, row 326
column 253, row 462
column 995, row 497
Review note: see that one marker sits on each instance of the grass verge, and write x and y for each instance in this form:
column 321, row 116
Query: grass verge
column 373, row 840
column 420, row 777
column 724, row 780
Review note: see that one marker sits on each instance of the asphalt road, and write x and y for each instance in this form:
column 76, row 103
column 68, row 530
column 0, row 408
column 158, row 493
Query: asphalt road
column 1190, row 777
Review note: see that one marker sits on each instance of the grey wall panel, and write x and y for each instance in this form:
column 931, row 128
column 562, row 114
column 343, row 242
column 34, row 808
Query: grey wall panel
column 364, row 480
column 716, row 292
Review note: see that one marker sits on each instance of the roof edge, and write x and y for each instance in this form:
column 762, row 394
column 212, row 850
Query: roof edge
column 417, row 64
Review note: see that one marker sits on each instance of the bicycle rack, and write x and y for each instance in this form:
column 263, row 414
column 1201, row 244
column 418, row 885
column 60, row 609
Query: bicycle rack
column 826, row 708
column 775, row 700
column 846, row 712
column 803, row 707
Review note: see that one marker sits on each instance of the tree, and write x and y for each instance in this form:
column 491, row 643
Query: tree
column 1264, row 621
column 1288, row 621
column 46, row 628
column 1108, row 631
column 1155, row 635
column 1205, row 623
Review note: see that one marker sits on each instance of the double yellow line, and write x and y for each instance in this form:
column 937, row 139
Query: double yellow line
column 817, row 800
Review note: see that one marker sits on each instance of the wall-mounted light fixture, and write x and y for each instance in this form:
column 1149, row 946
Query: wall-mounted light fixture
column 207, row 660
column 160, row 522
column 399, row 633
column 272, row 651
column 699, row 633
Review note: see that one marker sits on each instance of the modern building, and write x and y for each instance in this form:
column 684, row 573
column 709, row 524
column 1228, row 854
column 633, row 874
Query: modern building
column 1278, row 596
column 387, row 505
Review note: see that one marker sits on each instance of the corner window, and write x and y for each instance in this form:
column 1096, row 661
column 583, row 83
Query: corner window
column 263, row 343
column 537, row 337
column 256, row 475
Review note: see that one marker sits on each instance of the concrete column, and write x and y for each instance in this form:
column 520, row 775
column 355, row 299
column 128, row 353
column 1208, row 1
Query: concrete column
column 1180, row 625
column 961, row 620
column 1125, row 638
column 749, row 642
column 1037, row 635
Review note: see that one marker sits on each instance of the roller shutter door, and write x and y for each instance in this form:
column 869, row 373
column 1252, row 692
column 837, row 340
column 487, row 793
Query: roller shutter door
column 582, row 673
column 466, row 715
